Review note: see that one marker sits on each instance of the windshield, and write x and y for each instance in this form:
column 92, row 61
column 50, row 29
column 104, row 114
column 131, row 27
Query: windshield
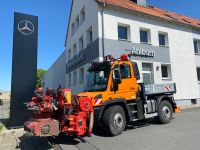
column 97, row 79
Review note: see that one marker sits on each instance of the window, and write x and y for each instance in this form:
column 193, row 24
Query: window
column 81, row 75
column 97, row 80
column 72, row 28
column 82, row 16
column 198, row 74
column 81, row 46
column 145, row 36
column 166, row 71
column 125, row 71
column 69, row 79
column 74, row 50
column 197, row 46
column 122, row 32
column 77, row 23
column 69, row 54
column 74, row 78
column 147, row 73
column 163, row 39
column 89, row 35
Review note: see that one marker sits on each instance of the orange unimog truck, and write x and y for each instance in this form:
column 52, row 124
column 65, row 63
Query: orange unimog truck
column 117, row 97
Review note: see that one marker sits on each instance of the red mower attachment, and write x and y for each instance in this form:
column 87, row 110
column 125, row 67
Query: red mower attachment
column 59, row 111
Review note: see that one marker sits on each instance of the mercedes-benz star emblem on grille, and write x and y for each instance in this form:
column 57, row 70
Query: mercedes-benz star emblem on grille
column 25, row 27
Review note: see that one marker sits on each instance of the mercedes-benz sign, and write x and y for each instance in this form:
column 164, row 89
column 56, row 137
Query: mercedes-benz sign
column 25, row 27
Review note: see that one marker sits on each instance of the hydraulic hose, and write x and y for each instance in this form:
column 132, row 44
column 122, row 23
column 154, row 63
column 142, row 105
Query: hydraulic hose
column 91, row 124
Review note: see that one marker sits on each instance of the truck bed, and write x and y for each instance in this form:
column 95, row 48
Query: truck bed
column 155, row 89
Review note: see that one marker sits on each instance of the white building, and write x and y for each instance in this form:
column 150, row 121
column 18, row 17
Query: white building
column 165, row 45
column 56, row 74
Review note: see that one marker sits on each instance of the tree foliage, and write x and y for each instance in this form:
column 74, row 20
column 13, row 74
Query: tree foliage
column 40, row 74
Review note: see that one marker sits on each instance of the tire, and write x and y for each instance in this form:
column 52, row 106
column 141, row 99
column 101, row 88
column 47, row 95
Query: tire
column 114, row 120
column 165, row 112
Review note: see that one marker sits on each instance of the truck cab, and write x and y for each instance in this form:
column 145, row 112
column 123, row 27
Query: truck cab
column 118, row 98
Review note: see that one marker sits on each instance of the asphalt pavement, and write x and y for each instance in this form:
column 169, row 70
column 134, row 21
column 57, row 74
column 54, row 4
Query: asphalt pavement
column 183, row 133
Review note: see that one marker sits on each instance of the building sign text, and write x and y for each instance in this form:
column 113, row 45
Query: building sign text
column 76, row 59
column 141, row 52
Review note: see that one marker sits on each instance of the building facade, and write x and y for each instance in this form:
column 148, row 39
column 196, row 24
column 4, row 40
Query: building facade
column 56, row 74
column 165, row 45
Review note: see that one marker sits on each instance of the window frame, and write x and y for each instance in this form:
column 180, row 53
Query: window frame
column 77, row 23
column 148, row 31
column 119, row 35
column 81, row 40
column 126, row 65
column 168, row 72
column 198, row 75
column 147, row 69
column 74, row 48
column 81, row 72
column 72, row 29
column 75, row 78
column 69, row 54
column 82, row 15
column 89, row 36
column 166, row 41
column 69, row 79
column 198, row 46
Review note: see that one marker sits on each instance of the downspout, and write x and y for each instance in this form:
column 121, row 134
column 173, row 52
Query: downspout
column 103, row 38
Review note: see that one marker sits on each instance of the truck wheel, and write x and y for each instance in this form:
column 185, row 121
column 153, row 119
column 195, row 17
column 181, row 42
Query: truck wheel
column 165, row 112
column 114, row 120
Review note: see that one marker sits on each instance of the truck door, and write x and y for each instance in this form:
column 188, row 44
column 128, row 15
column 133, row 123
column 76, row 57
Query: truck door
column 127, row 86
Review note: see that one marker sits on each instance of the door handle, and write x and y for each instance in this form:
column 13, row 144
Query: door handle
column 132, row 88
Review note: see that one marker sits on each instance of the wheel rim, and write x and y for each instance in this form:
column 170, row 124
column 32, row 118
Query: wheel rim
column 118, row 120
column 166, row 112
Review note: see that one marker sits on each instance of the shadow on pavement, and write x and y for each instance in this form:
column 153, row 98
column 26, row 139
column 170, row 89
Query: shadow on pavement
column 4, row 122
column 27, row 142
column 65, row 139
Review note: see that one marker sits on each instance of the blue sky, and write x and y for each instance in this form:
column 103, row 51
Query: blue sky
column 53, row 19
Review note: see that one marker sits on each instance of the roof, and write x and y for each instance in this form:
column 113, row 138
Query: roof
column 154, row 11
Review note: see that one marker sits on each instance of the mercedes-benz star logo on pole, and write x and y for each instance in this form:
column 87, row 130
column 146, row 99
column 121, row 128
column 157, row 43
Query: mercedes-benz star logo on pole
column 25, row 27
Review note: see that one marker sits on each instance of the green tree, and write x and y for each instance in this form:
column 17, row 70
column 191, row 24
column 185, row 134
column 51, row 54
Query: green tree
column 40, row 74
